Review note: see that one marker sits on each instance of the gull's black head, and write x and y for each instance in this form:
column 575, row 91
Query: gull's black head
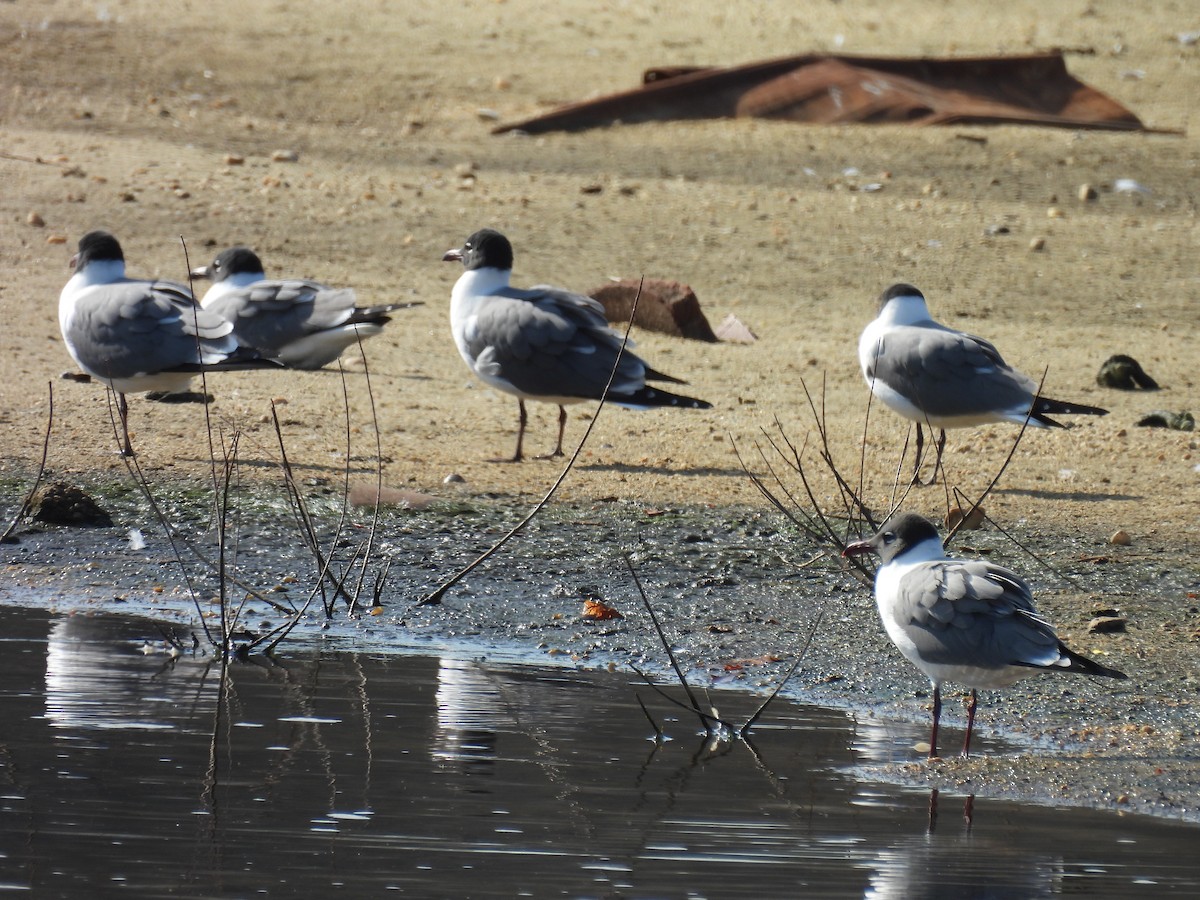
column 486, row 248
column 901, row 532
column 898, row 290
column 96, row 246
column 234, row 261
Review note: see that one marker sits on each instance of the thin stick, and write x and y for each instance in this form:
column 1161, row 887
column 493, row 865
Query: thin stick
column 378, row 481
column 663, row 638
column 1008, row 459
column 435, row 597
column 6, row 538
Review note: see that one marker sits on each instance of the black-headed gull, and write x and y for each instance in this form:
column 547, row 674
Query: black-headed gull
column 966, row 621
column 137, row 336
column 302, row 324
column 542, row 343
column 936, row 376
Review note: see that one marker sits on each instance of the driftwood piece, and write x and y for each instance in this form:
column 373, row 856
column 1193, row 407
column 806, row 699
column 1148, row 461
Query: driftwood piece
column 1034, row 90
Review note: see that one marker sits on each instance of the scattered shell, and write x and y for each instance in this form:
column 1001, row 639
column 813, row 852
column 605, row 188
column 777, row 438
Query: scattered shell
column 454, row 478
column 35, row 220
column 735, row 331
column 1107, row 625
column 488, row 114
column 1129, row 186
column 1054, row 213
column 1087, row 193
column 501, row 83
column 1120, row 538
column 1037, row 244
column 285, row 156
column 56, row 239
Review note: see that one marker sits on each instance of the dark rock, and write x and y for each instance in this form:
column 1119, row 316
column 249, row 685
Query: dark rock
column 669, row 307
column 1125, row 374
column 1164, row 418
column 59, row 503
column 1107, row 625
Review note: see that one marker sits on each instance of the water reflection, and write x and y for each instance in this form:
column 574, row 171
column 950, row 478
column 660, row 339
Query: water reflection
column 456, row 777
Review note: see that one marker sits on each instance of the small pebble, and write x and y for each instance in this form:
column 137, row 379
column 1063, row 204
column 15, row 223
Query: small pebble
column 35, row 220
column 1087, row 193
column 454, row 478
column 1037, row 244
column 1054, row 213
column 1120, row 538
column 233, row 159
column 285, row 156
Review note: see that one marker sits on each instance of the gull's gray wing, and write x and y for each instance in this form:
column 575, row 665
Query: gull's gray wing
column 974, row 613
column 947, row 373
column 550, row 343
column 269, row 315
column 132, row 328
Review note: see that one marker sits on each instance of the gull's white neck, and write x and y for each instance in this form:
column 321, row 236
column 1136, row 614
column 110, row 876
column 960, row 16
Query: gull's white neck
column 904, row 311
column 928, row 550
column 98, row 271
column 231, row 284
column 475, row 285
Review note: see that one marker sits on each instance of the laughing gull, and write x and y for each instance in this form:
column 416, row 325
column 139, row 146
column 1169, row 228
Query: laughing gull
column 966, row 621
column 137, row 336
column 300, row 323
column 543, row 343
column 943, row 378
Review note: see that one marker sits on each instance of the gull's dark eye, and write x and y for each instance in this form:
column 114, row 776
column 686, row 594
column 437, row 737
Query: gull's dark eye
column 889, row 536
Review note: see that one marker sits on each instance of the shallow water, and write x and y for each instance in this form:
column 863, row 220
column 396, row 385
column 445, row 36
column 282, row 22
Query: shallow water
column 455, row 777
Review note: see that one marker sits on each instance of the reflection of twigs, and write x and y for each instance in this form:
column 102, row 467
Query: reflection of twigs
column 7, row 536
column 436, row 595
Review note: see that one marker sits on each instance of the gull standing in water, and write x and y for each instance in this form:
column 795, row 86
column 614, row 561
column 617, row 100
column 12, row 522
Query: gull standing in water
column 966, row 621
column 542, row 343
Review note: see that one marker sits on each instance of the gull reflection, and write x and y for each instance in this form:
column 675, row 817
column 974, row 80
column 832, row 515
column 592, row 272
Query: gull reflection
column 470, row 713
column 104, row 673
column 958, row 864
